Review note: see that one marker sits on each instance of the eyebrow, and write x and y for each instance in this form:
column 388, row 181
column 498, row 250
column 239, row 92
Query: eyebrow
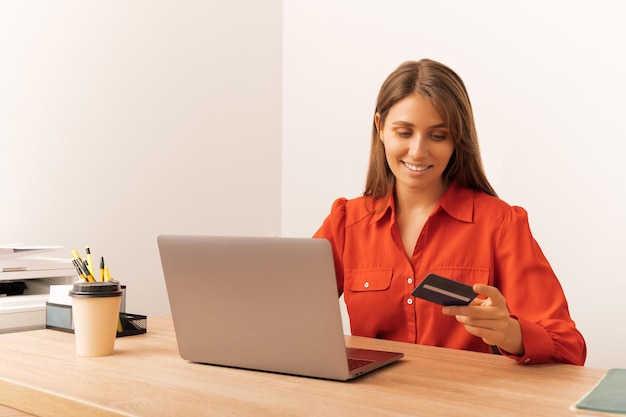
column 409, row 124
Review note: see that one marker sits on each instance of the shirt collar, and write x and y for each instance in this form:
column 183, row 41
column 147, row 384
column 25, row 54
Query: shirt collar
column 386, row 206
column 457, row 201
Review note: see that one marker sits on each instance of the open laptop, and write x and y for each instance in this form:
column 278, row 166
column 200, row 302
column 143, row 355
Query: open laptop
column 263, row 303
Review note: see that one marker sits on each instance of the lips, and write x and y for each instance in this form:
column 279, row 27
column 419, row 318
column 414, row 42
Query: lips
column 416, row 168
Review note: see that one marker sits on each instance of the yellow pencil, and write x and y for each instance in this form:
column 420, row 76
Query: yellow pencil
column 102, row 268
column 107, row 274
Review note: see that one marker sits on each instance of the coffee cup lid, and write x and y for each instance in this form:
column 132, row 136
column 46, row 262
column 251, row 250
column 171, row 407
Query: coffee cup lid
column 96, row 289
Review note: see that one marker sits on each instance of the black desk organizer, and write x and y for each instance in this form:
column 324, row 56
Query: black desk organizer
column 132, row 324
column 59, row 317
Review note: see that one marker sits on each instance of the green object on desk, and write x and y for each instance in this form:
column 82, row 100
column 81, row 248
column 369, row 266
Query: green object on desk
column 608, row 396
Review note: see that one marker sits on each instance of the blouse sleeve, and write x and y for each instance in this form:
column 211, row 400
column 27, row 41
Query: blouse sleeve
column 535, row 296
column 333, row 229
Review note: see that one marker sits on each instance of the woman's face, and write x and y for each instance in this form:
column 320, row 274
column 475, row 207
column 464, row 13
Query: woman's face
column 418, row 145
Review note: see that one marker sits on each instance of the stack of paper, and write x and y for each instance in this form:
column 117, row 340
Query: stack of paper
column 23, row 262
column 15, row 250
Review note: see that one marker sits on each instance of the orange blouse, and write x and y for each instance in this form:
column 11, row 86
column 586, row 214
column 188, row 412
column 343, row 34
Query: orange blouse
column 470, row 237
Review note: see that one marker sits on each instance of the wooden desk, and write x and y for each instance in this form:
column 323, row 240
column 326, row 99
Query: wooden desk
column 41, row 374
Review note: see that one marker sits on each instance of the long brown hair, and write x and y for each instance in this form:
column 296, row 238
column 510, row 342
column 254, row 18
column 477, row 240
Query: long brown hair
column 446, row 91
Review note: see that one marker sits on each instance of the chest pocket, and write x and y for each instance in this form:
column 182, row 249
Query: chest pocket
column 466, row 275
column 372, row 279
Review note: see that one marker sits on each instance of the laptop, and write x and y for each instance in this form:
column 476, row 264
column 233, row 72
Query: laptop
column 261, row 303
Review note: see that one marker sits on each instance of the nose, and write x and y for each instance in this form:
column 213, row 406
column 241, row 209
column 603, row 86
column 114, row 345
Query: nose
column 418, row 146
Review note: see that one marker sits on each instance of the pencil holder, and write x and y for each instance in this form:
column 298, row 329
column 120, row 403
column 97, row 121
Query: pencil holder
column 60, row 317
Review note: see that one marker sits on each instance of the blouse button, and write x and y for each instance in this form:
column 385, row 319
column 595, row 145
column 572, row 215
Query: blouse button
column 410, row 280
column 366, row 284
column 409, row 301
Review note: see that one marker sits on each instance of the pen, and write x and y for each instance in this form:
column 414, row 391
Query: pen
column 81, row 265
column 78, row 264
column 78, row 269
column 88, row 275
column 102, row 268
column 89, row 262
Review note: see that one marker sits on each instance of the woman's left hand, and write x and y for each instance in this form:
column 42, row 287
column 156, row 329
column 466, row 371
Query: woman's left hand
column 488, row 318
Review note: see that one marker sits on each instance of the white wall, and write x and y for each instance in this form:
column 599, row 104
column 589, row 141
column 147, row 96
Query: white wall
column 547, row 83
column 121, row 120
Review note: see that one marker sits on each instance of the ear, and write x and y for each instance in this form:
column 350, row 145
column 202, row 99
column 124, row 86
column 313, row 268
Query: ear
column 378, row 126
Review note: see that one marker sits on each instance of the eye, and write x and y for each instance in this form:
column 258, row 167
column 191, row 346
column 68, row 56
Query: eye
column 439, row 136
column 404, row 133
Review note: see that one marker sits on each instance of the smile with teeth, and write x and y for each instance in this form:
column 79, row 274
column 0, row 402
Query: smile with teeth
column 416, row 168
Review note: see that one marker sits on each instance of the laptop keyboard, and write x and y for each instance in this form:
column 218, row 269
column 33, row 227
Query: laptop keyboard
column 354, row 363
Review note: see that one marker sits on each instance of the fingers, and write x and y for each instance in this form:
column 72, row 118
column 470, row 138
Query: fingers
column 492, row 293
column 487, row 311
column 506, row 334
column 476, row 311
column 488, row 317
column 490, row 336
column 490, row 324
column 487, row 296
column 495, row 322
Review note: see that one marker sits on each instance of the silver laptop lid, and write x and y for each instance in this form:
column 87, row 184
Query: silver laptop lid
column 261, row 303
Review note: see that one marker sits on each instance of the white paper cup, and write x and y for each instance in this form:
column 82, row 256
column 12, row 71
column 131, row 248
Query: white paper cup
column 96, row 311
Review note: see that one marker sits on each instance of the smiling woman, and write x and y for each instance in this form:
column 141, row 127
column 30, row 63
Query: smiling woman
column 429, row 208
column 418, row 148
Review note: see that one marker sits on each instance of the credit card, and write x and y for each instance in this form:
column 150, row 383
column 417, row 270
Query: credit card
column 444, row 291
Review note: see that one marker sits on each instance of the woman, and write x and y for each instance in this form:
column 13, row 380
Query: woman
column 428, row 208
